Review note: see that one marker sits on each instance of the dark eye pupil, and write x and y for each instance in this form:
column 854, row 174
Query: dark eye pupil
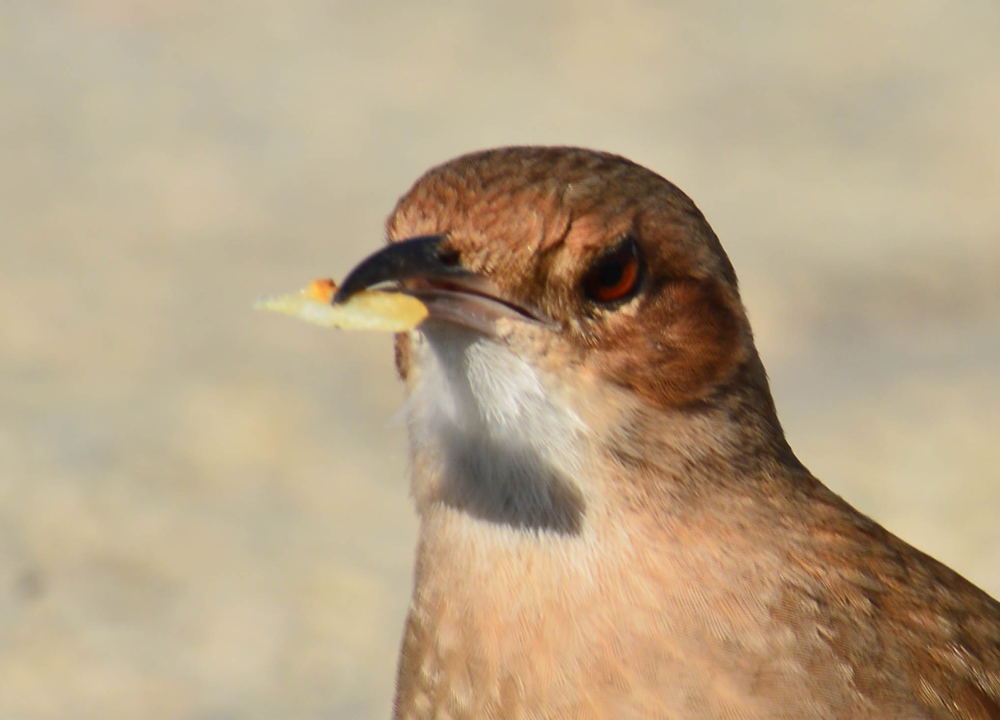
column 610, row 272
column 614, row 276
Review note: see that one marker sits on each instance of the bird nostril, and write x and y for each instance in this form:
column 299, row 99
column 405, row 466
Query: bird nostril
column 449, row 258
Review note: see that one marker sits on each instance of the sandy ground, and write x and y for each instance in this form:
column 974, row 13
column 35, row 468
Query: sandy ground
column 204, row 510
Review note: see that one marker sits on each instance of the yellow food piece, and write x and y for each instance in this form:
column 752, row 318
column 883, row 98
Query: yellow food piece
column 322, row 290
column 366, row 310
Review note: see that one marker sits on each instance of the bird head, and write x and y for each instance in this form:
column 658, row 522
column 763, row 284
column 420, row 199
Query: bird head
column 579, row 306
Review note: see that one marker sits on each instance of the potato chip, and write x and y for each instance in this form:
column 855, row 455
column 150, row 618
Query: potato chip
column 366, row 310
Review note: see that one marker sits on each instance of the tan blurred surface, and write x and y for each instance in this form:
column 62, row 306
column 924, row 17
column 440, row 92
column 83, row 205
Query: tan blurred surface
column 204, row 511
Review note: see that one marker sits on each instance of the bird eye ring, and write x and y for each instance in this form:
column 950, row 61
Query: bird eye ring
column 615, row 275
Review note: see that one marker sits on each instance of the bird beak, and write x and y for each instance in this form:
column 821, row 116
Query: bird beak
column 428, row 270
column 420, row 257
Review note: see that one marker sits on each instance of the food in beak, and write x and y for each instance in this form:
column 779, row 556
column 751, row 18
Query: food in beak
column 387, row 311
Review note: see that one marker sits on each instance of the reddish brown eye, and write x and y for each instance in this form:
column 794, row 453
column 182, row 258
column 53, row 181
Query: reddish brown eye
column 614, row 276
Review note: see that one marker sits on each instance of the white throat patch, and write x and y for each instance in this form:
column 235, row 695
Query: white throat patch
column 506, row 448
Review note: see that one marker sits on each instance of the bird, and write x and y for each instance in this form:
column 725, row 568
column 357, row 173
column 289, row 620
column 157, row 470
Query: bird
column 611, row 521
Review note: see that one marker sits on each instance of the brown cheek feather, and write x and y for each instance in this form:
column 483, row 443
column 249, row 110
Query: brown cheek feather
column 676, row 351
column 403, row 355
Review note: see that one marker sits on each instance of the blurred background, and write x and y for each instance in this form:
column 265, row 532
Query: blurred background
column 203, row 509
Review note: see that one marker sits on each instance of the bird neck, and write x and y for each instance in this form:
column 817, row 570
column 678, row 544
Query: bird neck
column 545, row 507
column 511, row 444
column 503, row 596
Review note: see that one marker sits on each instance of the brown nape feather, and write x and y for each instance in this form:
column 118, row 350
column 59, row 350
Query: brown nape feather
column 612, row 523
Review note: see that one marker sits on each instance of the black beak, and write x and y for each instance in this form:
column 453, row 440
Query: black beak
column 419, row 257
